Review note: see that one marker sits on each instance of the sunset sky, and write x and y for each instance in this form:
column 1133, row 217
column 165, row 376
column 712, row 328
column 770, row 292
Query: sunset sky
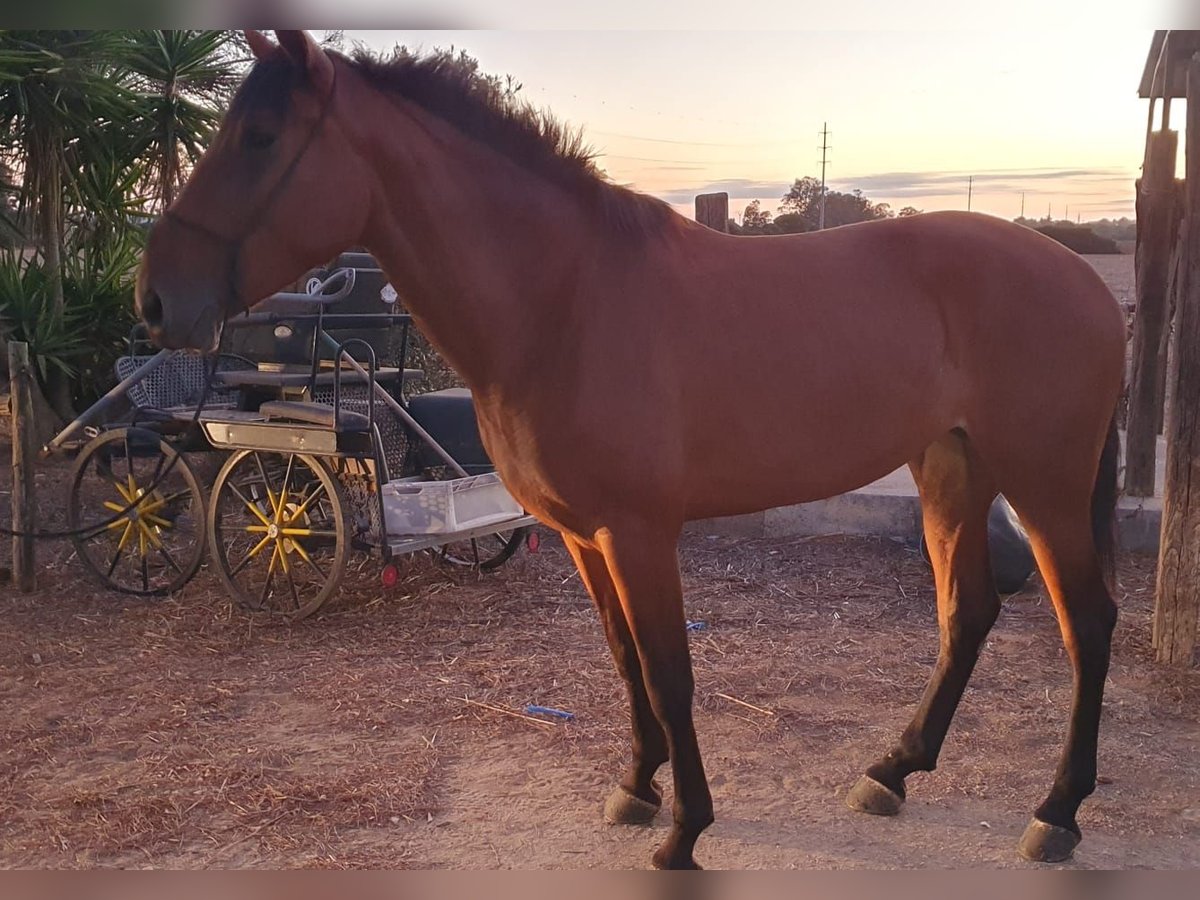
column 1051, row 113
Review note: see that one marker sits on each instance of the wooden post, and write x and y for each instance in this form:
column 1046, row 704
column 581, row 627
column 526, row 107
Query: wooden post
column 713, row 210
column 1177, row 599
column 1155, row 212
column 24, row 453
column 1166, row 363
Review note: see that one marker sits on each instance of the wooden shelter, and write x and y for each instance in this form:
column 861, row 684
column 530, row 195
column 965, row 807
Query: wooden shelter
column 1168, row 289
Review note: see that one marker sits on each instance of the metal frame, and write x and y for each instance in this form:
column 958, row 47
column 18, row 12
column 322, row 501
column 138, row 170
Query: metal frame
column 236, row 429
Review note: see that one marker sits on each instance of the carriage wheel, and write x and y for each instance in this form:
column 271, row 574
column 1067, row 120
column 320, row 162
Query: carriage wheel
column 483, row 553
column 277, row 526
column 147, row 510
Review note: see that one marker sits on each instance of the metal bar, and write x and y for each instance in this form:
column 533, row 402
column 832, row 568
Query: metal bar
column 399, row 410
column 411, row 544
column 93, row 411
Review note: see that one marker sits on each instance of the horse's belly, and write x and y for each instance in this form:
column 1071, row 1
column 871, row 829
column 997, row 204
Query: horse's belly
column 795, row 450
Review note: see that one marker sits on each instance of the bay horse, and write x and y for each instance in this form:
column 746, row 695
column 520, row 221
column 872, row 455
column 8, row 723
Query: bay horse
column 596, row 329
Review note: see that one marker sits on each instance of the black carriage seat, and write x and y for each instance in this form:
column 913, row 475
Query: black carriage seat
column 449, row 417
column 346, row 421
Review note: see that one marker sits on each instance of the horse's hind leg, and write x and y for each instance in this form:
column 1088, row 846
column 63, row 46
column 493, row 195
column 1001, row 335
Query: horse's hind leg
column 956, row 493
column 1065, row 547
column 636, row 800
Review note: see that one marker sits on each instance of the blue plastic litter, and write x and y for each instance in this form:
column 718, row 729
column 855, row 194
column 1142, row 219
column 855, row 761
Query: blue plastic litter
column 696, row 626
column 549, row 711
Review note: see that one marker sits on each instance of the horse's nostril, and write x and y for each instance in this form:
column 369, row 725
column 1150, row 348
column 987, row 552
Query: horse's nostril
column 152, row 309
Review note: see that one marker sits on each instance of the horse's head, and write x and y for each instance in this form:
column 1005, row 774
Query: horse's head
column 276, row 193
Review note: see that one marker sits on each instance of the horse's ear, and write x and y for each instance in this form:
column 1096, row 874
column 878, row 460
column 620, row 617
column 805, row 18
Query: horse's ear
column 260, row 45
column 305, row 53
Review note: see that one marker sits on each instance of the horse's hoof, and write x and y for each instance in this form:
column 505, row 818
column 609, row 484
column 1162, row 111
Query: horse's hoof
column 870, row 796
column 1046, row 843
column 623, row 808
column 661, row 861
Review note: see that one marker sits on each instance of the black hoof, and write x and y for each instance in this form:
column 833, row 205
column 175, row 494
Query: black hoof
column 869, row 796
column 1046, row 843
column 623, row 808
column 662, row 861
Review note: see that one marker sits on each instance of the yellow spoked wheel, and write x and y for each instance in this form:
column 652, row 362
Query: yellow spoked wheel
column 277, row 527
column 138, row 511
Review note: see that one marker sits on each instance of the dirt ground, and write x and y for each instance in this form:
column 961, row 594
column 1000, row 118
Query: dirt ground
column 185, row 733
column 1118, row 273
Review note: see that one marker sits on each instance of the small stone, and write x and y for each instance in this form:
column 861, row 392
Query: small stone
column 37, row 659
column 1103, row 779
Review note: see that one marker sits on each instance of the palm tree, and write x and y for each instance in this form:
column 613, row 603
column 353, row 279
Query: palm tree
column 183, row 78
column 97, row 128
column 57, row 95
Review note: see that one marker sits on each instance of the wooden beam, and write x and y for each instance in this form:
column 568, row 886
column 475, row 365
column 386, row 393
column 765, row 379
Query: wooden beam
column 24, row 454
column 1177, row 598
column 1155, row 212
column 713, row 210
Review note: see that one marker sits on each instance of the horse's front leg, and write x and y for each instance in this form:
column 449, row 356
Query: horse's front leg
column 643, row 564
column 636, row 800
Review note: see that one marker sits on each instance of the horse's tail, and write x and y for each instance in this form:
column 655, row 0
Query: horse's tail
column 1104, row 501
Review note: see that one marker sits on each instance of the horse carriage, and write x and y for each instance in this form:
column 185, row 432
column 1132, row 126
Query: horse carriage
column 298, row 443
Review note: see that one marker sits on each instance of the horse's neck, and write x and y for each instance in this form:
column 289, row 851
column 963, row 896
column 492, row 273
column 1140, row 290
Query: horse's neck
column 481, row 250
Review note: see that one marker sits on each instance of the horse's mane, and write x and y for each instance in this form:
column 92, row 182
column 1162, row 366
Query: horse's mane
column 450, row 86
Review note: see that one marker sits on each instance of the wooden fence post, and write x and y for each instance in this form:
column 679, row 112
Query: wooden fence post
column 1177, row 598
column 713, row 210
column 1155, row 212
column 24, row 453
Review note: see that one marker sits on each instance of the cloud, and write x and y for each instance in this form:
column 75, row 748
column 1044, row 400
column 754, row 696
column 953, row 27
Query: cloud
column 736, row 188
column 916, row 185
column 919, row 184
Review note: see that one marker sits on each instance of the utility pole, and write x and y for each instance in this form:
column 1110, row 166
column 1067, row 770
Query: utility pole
column 1022, row 204
column 970, row 189
column 824, row 161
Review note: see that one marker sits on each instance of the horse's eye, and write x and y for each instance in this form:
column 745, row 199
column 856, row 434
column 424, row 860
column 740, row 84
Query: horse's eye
column 259, row 140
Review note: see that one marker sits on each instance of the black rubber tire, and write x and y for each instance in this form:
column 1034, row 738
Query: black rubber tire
column 485, row 553
column 172, row 499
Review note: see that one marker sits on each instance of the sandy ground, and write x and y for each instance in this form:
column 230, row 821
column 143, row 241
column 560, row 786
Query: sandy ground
column 185, row 733
column 1118, row 273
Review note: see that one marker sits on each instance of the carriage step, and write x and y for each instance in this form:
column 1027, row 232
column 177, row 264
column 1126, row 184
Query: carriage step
column 341, row 421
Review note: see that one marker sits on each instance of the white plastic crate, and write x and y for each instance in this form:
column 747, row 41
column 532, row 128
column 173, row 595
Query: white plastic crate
column 442, row 507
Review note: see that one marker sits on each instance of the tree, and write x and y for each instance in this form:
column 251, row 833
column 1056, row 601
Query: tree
column 791, row 223
column 98, row 128
column 804, row 199
column 754, row 218
column 803, row 196
column 57, row 94
column 907, row 211
column 182, row 79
